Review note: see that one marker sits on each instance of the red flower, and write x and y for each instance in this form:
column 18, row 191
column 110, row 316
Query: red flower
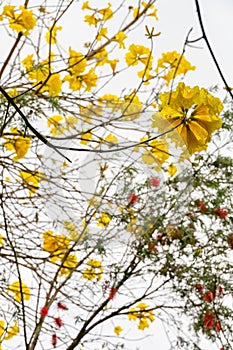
column 54, row 340
column 62, row 306
column 154, row 181
column 218, row 327
column 209, row 296
column 132, row 198
column 202, row 206
column 230, row 241
column 199, row 287
column 112, row 293
column 58, row 321
column 221, row 213
column 44, row 311
column 208, row 321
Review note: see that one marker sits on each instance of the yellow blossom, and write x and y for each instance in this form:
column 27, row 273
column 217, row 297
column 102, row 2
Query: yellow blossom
column 68, row 265
column 120, row 37
column 55, row 125
column 55, row 244
column 118, row 330
column 12, row 331
column 1, row 241
column 172, row 63
column 101, row 57
column 15, row 289
column 94, row 271
column 51, row 36
column 111, row 138
column 172, row 170
column 20, row 145
column 153, row 13
column 23, row 21
column 86, row 138
column 54, row 85
column 113, row 64
column 143, row 323
column 86, row 6
column 102, row 34
column 139, row 313
column 195, row 114
column 104, row 219
column 77, row 62
column 31, row 180
column 106, row 12
column 137, row 53
column 91, row 20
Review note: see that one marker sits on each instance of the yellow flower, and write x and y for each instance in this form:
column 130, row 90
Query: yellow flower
column 120, row 37
column 137, row 11
column 132, row 315
column 69, row 264
column 106, row 12
column 195, row 114
column 102, row 34
column 54, row 84
column 104, row 219
column 170, row 62
column 1, row 241
column 86, row 6
column 143, row 323
column 20, row 145
column 55, row 244
column 91, row 20
column 55, row 126
column 77, row 62
column 86, row 138
column 118, row 330
column 90, row 79
column 158, row 153
column 101, row 57
column 111, row 138
column 52, row 34
column 113, row 64
column 172, row 170
column 12, row 331
column 14, row 288
column 94, row 271
column 137, row 53
column 31, row 180
column 21, row 22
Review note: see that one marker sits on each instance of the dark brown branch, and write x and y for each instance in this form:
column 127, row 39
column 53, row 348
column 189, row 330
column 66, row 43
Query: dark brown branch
column 204, row 36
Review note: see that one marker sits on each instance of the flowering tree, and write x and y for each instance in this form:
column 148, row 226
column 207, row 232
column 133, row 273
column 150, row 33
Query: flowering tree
column 115, row 205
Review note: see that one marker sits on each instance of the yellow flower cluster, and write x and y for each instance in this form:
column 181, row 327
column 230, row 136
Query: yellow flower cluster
column 140, row 314
column 195, row 114
column 19, row 144
column 101, row 15
column 14, row 289
column 153, row 13
column 76, row 78
column 95, row 270
column 58, row 246
column 104, row 219
column 173, row 64
column 39, row 72
column 58, row 124
column 157, row 152
column 6, row 333
column 20, row 20
column 140, row 53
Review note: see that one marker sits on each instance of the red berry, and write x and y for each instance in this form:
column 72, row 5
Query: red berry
column 221, row 213
column 44, row 311
column 218, row 327
column 202, row 206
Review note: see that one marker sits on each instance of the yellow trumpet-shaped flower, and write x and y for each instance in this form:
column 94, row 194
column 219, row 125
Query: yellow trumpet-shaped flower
column 194, row 113
column 20, row 292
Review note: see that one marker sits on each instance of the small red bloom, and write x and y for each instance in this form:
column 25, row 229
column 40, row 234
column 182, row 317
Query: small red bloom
column 208, row 321
column 58, row 321
column 154, row 181
column 54, row 340
column 112, row 293
column 62, row 306
column 209, row 296
column 221, row 213
column 218, row 327
column 132, row 198
column 199, row 287
column 44, row 311
column 202, row 206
